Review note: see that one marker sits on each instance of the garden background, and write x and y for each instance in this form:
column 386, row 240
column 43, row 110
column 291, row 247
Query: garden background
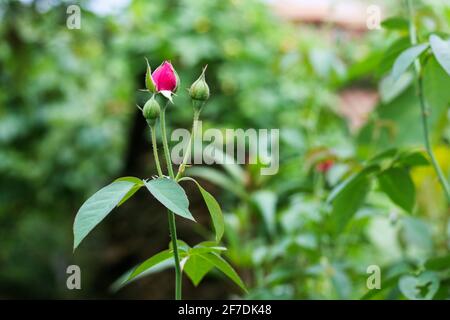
column 314, row 69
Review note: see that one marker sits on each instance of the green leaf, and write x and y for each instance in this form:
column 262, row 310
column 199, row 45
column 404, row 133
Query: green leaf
column 266, row 202
column 342, row 186
column 390, row 88
column 441, row 50
column 124, row 280
column 391, row 54
column 422, row 287
column 213, row 208
column 350, row 198
column 406, row 58
column 171, row 195
column 435, row 87
column 207, row 246
column 97, row 207
column 386, row 154
column 196, row 267
column 385, row 284
column 138, row 183
column 395, row 23
column 224, row 267
column 399, row 187
column 151, row 262
column 413, row 159
column 438, row 263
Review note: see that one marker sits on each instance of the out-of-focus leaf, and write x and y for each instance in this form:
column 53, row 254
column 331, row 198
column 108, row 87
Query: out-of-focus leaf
column 422, row 287
column 399, row 187
column 406, row 58
column 441, row 50
column 389, row 153
column 266, row 202
column 347, row 202
column 395, row 23
column 341, row 187
column 413, row 158
column 390, row 88
column 392, row 53
column 217, row 177
column 438, row 263
column 435, row 86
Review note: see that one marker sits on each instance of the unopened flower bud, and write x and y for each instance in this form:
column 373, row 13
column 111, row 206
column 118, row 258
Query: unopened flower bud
column 151, row 110
column 199, row 89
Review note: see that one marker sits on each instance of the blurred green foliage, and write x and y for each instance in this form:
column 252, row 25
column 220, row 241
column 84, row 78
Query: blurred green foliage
column 67, row 105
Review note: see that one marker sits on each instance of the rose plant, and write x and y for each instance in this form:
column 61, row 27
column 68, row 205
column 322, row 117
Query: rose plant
column 194, row 261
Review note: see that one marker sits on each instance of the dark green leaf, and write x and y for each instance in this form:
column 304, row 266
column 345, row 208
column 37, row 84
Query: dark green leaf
column 386, row 154
column 171, row 195
column 349, row 199
column 97, row 207
column 341, row 187
column 399, row 187
column 395, row 23
column 438, row 263
column 413, row 158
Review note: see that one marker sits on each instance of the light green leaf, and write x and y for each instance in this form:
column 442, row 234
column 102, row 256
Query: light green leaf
column 399, row 187
column 97, row 207
column 138, row 183
column 406, row 58
column 207, row 246
column 441, row 50
column 171, row 195
column 224, row 267
column 422, row 287
column 123, row 280
column 151, row 262
column 266, row 202
column 213, row 208
column 196, row 267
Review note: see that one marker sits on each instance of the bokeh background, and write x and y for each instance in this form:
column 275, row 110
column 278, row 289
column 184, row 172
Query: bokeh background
column 313, row 69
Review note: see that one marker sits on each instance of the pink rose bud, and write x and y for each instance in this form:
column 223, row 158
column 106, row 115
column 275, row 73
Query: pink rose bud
column 165, row 77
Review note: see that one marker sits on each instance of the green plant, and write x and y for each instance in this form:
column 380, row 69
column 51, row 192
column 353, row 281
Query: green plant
column 195, row 261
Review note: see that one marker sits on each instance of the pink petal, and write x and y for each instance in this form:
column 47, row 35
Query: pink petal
column 164, row 77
